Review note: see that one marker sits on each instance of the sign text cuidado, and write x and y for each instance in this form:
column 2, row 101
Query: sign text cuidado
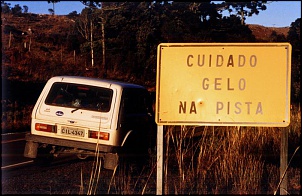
column 223, row 84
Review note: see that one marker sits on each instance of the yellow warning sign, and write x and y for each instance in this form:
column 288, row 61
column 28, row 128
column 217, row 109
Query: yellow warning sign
column 231, row 84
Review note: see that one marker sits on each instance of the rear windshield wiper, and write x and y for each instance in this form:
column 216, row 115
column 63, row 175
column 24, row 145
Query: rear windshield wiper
column 72, row 111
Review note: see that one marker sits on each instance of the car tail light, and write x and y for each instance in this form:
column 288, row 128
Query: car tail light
column 100, row 135
column 45, row 128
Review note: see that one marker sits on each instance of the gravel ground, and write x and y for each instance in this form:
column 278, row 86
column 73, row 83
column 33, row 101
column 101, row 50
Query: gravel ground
column 64, row 177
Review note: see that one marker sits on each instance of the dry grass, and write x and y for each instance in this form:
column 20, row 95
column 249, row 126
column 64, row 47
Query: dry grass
column 216, row 160
column 232, row 160
column 14, row 117
column 205, row 160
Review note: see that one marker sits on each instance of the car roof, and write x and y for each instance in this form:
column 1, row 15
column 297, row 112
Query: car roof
column 94, row 80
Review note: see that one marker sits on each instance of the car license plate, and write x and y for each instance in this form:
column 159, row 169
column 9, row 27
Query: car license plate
column 72, row 131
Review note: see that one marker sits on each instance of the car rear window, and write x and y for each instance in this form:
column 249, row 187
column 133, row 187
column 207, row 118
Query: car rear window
column 80, row 96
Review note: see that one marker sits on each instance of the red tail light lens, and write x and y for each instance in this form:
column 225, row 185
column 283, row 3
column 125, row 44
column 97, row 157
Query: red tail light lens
column 100, row 135
column 45, row 128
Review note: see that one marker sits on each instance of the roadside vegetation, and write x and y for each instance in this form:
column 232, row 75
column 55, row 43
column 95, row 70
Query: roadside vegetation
column 232, row 160
column 120, row 42
column 214, row 160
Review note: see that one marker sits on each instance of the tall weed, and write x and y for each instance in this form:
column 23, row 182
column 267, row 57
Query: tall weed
column 216, row 160
column 234, row 160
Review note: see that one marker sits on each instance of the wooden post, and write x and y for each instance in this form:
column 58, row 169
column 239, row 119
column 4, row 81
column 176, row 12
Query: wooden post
column 283, row 161
column 160, row 146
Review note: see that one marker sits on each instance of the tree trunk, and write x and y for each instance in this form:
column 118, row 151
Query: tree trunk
column 91, row 44
column 10, row 39
column 104, row 49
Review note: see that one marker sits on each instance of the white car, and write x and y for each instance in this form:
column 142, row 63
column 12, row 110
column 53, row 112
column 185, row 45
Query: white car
column 86, row 116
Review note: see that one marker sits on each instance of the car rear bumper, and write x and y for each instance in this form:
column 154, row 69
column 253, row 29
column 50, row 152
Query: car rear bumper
column 70, row 143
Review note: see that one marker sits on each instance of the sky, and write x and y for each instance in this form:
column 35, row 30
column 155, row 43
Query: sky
column 277, row 14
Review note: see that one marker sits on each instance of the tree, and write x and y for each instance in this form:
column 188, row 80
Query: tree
column 53, row 6
column 51, row 11
column 73, row 14
column 5, row 7
column 295, row 40
column 294, row 34
column 100, row 19
column 277, row 37
column 246, row 8
column 229, row 29
column 17, row 10
column 25, row 8
column 86, row 25
column 92, row 4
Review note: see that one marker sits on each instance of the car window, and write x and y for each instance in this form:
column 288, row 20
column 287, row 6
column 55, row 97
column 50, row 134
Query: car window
column 80, row 96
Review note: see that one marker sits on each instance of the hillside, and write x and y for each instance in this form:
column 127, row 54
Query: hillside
column 264, row 33
column 54, row 47
column 33, row 39
column 48, row 24
column 29, row 40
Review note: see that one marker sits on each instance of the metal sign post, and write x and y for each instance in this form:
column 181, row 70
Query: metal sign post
column 283, row 161
column 159, row 176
